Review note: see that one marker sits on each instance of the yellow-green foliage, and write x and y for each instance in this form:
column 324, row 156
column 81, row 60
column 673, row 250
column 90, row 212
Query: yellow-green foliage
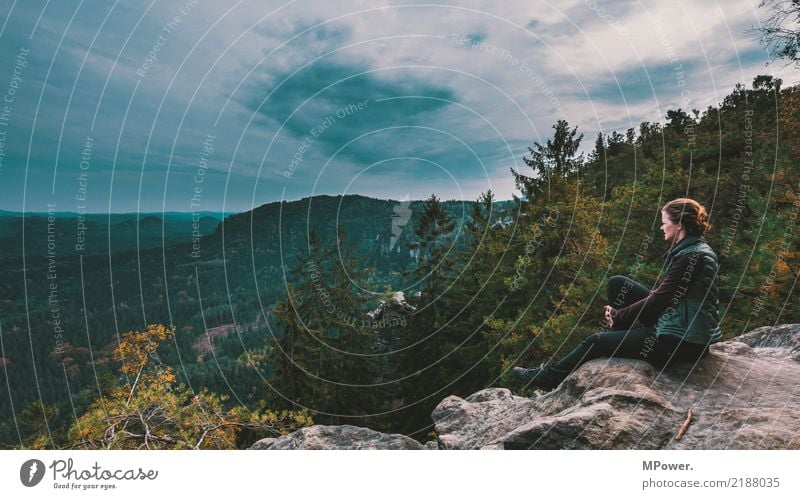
column 149, row 410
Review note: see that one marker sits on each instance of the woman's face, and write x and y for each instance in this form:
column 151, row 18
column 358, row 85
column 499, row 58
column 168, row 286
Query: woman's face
column 672, row 231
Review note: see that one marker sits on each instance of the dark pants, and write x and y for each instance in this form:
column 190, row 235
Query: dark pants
column 634, row 343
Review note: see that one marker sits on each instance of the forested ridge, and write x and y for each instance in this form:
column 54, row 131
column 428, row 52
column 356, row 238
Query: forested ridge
column 283, row 292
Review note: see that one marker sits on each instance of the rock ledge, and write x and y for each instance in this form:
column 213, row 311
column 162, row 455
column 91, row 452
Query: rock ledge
column 744, row 395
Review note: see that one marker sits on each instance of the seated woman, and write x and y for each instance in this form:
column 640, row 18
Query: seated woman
column 680, row 317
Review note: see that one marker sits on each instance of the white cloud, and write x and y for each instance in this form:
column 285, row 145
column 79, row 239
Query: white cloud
column 575, row 52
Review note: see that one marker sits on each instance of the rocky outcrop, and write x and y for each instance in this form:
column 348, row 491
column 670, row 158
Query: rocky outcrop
column 337, row 437
column 744, row 395
column 390, row 320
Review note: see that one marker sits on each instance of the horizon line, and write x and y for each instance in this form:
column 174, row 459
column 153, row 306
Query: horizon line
column 3, row 210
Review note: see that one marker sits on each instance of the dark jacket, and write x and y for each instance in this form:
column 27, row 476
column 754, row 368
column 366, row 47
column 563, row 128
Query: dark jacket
column 693, row 314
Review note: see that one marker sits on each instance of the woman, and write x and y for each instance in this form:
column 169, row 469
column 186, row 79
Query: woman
column 680, row 317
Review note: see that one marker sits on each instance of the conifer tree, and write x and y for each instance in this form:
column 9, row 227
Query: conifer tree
column 557, row 158
column 347, row 359
column 296, row 356
column 324, row 359
column 558, row 254
column 427, row 344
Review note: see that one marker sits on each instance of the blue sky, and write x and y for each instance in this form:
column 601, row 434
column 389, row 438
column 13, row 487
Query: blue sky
column 283, row 100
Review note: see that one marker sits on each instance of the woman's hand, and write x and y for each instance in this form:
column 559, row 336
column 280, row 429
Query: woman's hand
column 607, row 312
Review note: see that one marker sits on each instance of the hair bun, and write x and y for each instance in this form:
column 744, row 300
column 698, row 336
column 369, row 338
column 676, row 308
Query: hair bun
column 691, row 214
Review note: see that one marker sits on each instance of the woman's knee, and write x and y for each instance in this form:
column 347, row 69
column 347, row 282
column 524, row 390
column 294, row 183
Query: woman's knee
column 615, row 284
column 592, row 339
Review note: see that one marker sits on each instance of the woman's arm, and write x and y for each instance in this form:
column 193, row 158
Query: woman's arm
column 681, row 273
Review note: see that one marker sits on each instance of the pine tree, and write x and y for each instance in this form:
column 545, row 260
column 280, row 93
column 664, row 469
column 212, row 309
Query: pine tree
column 427, row 344
column 296, row 357
column 558, row 158
column 323, row 362
column 348, row 361
column 557, row 254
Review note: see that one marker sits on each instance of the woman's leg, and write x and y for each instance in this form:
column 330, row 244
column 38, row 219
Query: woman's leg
column 672, row 350
column 623, row 291
column 639, row 343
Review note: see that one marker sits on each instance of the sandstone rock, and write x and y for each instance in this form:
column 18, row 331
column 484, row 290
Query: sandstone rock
column 338, row 437
column 744, row 395
column 263, row 444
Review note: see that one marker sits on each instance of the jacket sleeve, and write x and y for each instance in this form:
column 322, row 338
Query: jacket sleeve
column 675, row 284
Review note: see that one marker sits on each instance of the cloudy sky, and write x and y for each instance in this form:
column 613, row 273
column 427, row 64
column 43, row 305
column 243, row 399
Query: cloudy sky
column 182, row 105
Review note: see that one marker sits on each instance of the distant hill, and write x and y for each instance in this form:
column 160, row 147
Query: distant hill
column 116, row 232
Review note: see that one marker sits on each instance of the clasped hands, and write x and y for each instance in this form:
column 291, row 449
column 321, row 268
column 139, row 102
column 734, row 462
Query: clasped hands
column 607, row 311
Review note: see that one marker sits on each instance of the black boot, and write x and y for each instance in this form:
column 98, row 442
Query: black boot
column 543, row 377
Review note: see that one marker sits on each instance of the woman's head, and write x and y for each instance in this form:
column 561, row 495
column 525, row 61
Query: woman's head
column 684, row 217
